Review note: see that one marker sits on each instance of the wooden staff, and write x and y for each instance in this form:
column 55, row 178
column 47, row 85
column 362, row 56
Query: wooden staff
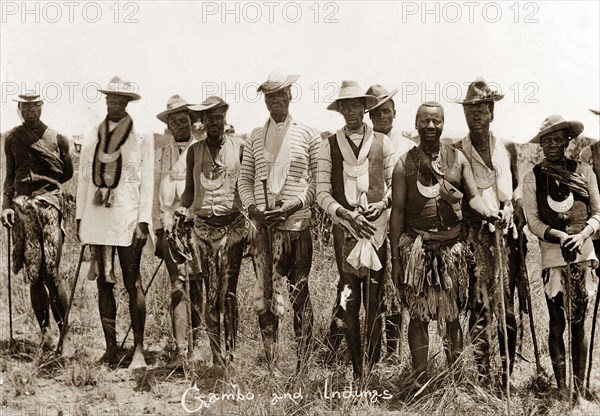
column 65, row 320
column 503, row 313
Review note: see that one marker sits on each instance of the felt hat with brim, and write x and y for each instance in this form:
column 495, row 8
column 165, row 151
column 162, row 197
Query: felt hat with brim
column 175, row 104
column 597, row 112
column 29, row 97
column 480, row 92
column 383, row 95
column 276, row 81
column 211, row 103
column 117, row 86
column 555, row 123
column 349, row 90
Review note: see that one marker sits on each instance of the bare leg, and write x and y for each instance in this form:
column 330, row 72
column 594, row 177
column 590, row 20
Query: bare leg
column 130, row 257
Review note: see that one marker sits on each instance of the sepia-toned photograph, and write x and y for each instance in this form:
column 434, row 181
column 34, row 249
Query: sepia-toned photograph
column 299, row 208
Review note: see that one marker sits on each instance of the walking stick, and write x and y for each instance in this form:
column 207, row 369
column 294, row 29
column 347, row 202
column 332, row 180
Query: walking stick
column 538, row 366
column 10, row 320
column 567, row 293
column 591, row 356
column 268, row 284
column 65, row 320
column 499, row 237
column 145, row 292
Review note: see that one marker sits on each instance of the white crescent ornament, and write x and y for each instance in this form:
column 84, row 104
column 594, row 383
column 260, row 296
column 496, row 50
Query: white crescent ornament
column 560, row 206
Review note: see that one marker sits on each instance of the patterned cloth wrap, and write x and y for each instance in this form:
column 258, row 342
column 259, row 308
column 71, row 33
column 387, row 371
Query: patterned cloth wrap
column 583, row 285
column 212, row 244
column 486, row 269
column 435, row 281
column 271, row 288
column 37, row 234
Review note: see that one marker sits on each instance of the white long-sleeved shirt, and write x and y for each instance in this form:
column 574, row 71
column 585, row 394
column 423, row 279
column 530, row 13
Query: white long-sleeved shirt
column 133, row 195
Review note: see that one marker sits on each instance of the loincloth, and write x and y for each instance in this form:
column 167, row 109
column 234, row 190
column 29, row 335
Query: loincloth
column 37, row 235
column 269, row 249
column 583, row 286
column 485, row 282
column 435, row 281
column 213, row 244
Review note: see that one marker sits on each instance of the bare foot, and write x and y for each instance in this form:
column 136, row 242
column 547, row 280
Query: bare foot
column 46, row 340
column 137, row 361
column 178, row 360
column 67, row 348
column 110, row 357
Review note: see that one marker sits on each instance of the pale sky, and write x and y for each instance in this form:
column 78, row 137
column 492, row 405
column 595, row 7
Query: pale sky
column 544, row 56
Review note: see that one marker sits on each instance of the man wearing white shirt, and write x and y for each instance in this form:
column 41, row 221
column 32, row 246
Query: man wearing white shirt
column 114, row 212
column 353, row 187
column 169, row 185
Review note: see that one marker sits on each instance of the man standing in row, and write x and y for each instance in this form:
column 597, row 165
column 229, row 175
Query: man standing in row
column 277, row 185
column 382, row 116
column 494, row 165
column 354, row 178
column 38, row 161
column 211, row 198
column 563, row 210
column 429, row 252
column 169, row 184
column 114, row 212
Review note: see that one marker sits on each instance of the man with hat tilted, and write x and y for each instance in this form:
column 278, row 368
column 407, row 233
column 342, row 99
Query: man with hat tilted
column 169, row 184
column 562, row 203
column 211, row 199
column 494, row 165
column 277, row 186
column 382, row 116
column 38, row 161
column 353, row 187
column 114, row 212
column 429, row 250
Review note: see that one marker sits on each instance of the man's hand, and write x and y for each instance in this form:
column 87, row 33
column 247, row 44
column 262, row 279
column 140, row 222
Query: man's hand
column 397, row 271
column 282, row 211
column 497, row 218
column 140, row 235
column 573, row 243
column 519, row 217
column 181, row 212
column 78, row 222
column 374, row 210
column 8, row 217
column 359, row 224
column 257, row 215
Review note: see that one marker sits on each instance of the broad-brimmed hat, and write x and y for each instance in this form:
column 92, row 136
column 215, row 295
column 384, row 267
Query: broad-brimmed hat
column 480, row 92
column 597, row 112
column 555, row 123
column 175, row 104
column 276, row 81
column 351, row 89
column 211, row 103
column 382, row 95
column 29, row 97
column 117, row 86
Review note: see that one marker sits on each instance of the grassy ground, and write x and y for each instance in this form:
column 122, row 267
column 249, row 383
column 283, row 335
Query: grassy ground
column 34, row 382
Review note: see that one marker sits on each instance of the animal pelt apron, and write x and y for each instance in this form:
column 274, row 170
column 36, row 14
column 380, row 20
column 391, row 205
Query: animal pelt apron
column 213, row 244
